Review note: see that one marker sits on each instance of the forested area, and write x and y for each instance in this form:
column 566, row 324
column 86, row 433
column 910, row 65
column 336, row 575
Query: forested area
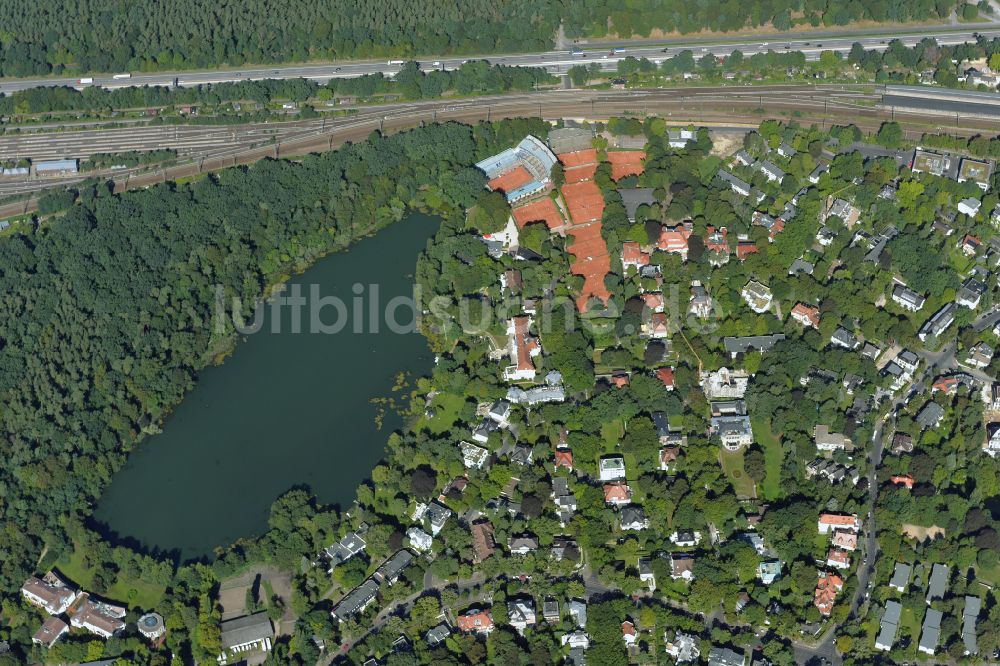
column 90, row 361
column 473, row 77
column 104, row 35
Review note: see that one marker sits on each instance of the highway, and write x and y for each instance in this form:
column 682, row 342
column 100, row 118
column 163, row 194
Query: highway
column 556, row 61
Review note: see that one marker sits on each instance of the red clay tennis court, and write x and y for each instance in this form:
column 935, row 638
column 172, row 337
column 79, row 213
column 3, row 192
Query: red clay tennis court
column 590, row 260
column 580, row 165
column 584, row 201
column 511, row 180
column 626, row 163
column 540, row 210
column 590, row 253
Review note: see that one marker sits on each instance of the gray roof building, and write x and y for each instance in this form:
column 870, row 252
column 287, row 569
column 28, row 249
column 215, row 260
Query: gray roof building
column 720, row 656
column 634, row 197
column 356, row 600
column 939, row 322
column 736, row 184
column 246, row 630
column 907, row 298
column 937, row 585
column 929, row 417
column 889, row 626
column 748, row 343
column 970, row 615
column 771, row 170
column 390, row 570
column 437, row 635
column 900, row 577
column 931, row 632
column 844, row 338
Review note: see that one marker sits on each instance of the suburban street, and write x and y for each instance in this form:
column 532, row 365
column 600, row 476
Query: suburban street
column 555, row 61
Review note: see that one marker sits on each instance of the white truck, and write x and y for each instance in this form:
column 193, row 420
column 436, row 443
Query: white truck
column 122, row 76
column 85, row 80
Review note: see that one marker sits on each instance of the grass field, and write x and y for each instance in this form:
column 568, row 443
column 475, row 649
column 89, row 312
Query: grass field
column 132, row 592
column 447, row 407
column 773, row 455
column 732, row 467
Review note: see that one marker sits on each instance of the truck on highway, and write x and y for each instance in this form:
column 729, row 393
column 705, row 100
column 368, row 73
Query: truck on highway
column 122, row 76
column 85, row 80
column 617, row 50
column 397, row 62
column 577, row 52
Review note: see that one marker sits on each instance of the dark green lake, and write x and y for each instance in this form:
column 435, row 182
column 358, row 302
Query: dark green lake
column 286, row 409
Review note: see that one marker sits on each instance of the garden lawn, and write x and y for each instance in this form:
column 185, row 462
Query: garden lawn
column 773, row 456
column 732, row 467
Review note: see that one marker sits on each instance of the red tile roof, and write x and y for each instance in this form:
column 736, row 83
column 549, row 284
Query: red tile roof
column 523, row 343
column 564, row 458
column 811, row 314
column 826, row 592
column 478, row 621
column 745, row 248
column 617, row 492
column 715, row 241
column 666, row 375
column 632, row 254
column 902, row 480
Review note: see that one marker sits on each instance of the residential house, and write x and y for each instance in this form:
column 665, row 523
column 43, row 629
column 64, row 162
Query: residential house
column 931, row 415
column 833, row 521
column 924, row 161
column 577, row 611
column 930, row 633
column 743, row 158
column 668, row 456
column 420, row 541
column 389, row 571
column 737, row 185
column 816, row 173
column 680, row 138
column 725, row 383
column 612, row 468
column 751, row 343
column 827, row 587
column 938, row 323
column 971, row 293
column 769, row 571
column 475, row 621
column 801, row 266
column 844, row 338
column 838, row 558
column 825, row 236
column 975, row 170
column 734, row 432
column 629, row 634
column 757, row 296
column 483, row 545
column 50, row 632
column 438, row 514
column 969, row 206
column 722, row 656
column 656, row 327
column 786, row 150
column 522, row 544
column 563, row 458
column 845, row 540
column 473, row 456
column 576, row 639
column 646, row 573
column 831, row 441
column 521, row 613
column 806, row 315
column 970, row 616
column 685, row 538
column 522, row 347
column 700, row 303
column 683, row 648
column 844, row 210
column 907, row 298
column 633, row 198
column 633, row 256
column 900, row 577
column 771, row 171
column 245, row 634
column 51, row 594
column 617, row 493
column 634, row 518
column 889, row 625
column 355, row 601
column 682, row 566
column 550, row 610
column 437, row 635
column 937, row 584
column 98, row 617
column 980, row 356
column 675, row 240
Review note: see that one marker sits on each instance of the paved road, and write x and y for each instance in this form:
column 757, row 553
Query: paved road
column 557, row 62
